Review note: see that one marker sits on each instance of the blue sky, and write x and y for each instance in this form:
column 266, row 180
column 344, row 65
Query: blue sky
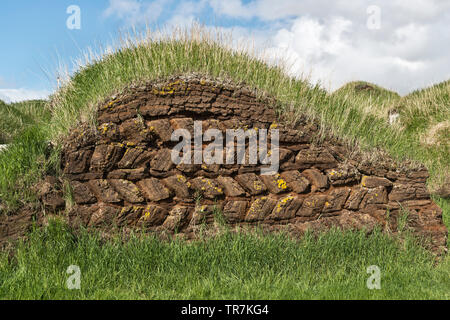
column 328, row 40
column 36, row 39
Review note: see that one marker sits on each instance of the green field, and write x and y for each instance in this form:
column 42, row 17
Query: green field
column 230, row 266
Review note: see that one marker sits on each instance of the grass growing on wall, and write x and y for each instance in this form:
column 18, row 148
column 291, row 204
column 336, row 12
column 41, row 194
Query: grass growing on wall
column 142, row 58
column 228, row 266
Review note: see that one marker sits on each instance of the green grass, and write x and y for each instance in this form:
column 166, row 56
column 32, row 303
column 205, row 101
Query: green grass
column 228, row 266
column 426, row 115
column 150, row 57
column 369, row 97
column 424, row 124
column 24, row 126
column 427, row 106
column 239, row 266
column 16, row 117
column 27, row 156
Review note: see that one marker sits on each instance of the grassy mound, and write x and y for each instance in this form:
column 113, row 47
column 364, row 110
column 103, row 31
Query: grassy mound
column 428, row 106
column 196, row 50
column 427, row 115
column 369, row 97
column 228, row 266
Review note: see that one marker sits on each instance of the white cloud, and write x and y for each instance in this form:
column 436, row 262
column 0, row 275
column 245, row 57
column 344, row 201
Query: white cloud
column 330, row 40
column 333, row 53
column 16, row 95
column 270, row 10
column 327, row 39
column 186, row 13
column 134, row 12
column 233, row 8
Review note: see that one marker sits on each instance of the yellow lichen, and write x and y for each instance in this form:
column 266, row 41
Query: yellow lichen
column 281, row 184
column 109, row 104
column 104, row 128
column 282, row 203
column 363, row 181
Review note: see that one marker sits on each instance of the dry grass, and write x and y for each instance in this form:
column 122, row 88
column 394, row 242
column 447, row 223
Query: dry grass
column 370, row 98
column 437, row 135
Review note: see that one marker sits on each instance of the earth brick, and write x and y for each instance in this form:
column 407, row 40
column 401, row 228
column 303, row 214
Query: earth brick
column 252, row 183
column 153, row 189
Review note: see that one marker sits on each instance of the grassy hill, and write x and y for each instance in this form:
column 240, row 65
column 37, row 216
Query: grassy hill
column 355, row 112
column 423, row 125
column 426, row 119
column 428, row 106
column 201, row 52
column 369, row 97
column 427, row 115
